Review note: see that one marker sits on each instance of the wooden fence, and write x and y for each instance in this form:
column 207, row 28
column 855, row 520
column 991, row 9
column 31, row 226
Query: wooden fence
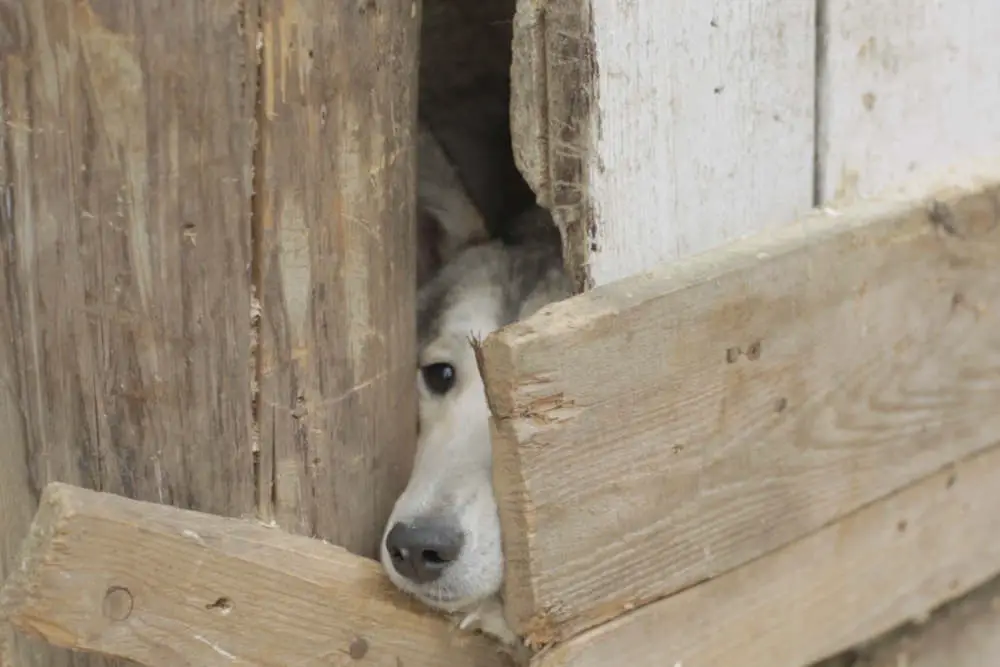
column 207, row 282
column 774, row 422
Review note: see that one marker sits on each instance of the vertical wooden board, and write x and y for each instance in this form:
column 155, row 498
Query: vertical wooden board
column 906, row 88
column 337, row 264
column 659, row 130
column 125, row 186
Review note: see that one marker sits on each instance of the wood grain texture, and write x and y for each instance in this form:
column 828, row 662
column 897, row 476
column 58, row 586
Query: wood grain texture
column 962, row 633
column 888, row 563
column 661, row 430
column 337, row 265
column 168, row 587
column 905, row 87
column 640, row 124
column 125, row 193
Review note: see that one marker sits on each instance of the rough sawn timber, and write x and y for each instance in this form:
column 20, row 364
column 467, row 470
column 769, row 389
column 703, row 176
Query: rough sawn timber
column 962, row 633
column 167, row 587
column 889, row 563
column 658, row 431
column 126, row 148
column 335, row 264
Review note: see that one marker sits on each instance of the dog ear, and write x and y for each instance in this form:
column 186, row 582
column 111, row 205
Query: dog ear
column 447, row 218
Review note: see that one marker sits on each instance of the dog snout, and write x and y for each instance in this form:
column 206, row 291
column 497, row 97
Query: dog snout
column 422, row 550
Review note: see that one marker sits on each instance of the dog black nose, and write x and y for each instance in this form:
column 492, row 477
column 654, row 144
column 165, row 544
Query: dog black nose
column 422, row 550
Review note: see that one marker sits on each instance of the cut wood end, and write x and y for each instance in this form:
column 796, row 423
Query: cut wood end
column 494, row 358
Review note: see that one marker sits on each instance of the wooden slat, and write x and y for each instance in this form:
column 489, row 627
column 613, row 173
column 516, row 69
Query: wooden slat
column 125, row 187
column 890, row 562
column 906, row 87
column 337, row 264
column 168, row 587
column 641, row 124
column 962, row 633
column 661, row 430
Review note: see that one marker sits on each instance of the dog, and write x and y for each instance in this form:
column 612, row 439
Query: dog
column 442, row 541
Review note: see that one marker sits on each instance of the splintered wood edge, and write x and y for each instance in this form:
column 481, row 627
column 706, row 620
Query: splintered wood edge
column 553, row 94
column 970, row 193
column 68, row 517
column 832, row 590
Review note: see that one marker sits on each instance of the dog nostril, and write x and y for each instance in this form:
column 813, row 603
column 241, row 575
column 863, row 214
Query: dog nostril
column 433, row 557
column 422, row 550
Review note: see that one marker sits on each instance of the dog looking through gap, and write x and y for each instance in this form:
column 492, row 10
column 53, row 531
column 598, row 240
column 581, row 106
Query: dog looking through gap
column 442, row 541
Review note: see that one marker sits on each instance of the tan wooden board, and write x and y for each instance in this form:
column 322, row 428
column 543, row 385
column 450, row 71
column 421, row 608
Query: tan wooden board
column 962, row 633
column 661, row 430
column 886, row 564
column 125, row 201
column 335, row 264
column 167, row 587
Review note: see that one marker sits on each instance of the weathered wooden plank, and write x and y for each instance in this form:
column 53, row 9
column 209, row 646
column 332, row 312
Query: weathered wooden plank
column 669, row 427
column 882, row 566
column 168, row 587
column 641, row 123
column 125, row 186
column 905, row 88
column 962, row 633
column 337, row 264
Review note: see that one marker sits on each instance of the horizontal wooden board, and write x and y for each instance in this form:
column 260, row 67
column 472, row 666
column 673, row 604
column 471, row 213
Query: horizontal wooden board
column 167, row 587
column 882, row 566
column 663, row 429
column 962, row 633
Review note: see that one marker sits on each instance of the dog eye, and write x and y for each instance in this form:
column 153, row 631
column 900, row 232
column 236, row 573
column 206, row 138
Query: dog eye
column 439, row 377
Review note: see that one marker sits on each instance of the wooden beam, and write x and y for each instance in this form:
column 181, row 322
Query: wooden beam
column 336, row 264
column 962, row 633
column 889, row 563
column 661, row 430
column 167, row 587
column 125, row 202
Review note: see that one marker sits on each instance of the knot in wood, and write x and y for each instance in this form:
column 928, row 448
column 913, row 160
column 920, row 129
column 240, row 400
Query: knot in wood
column 117, row 604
